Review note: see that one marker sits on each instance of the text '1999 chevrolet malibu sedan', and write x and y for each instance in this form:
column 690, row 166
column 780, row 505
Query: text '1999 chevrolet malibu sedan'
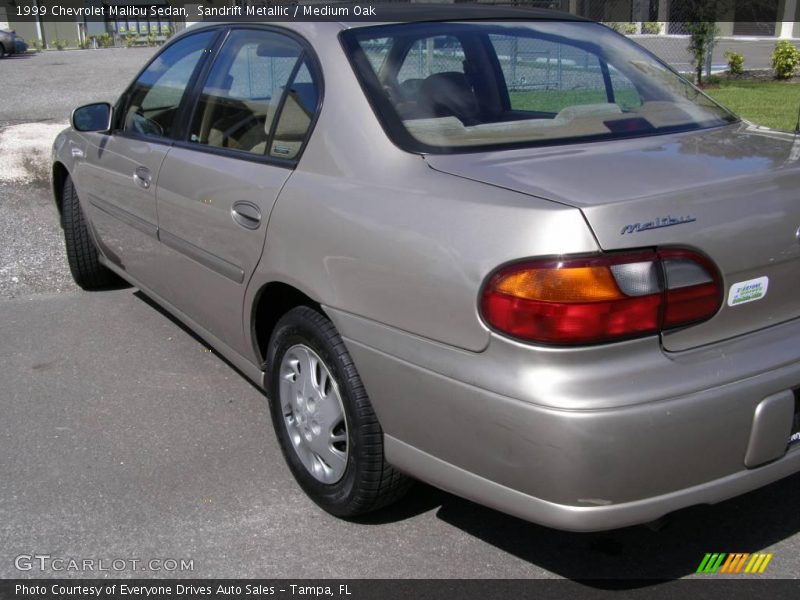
column 517, row 258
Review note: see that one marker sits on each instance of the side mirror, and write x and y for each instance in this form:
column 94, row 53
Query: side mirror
column 92, row 117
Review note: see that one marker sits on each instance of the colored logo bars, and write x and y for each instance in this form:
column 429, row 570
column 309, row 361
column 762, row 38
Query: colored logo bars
column 734, row 562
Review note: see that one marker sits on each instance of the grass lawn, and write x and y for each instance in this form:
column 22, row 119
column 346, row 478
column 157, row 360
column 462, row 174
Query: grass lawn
column 770, row 103
column 554, row 100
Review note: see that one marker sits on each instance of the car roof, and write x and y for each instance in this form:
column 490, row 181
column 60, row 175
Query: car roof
column 420, row 13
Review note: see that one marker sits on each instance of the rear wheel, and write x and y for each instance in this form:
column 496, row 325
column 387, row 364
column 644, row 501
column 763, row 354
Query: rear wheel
column 327, row 429
column 82, row 254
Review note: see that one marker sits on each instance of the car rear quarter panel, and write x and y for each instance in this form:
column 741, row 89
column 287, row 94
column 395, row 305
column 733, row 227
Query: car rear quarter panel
column 369, row 229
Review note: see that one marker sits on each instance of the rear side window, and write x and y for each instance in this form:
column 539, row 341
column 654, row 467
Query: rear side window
column 297, row 113
column 151, row 107
column 259, row 92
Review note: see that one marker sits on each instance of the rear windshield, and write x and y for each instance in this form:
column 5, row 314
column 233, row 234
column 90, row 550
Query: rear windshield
column 445, row 87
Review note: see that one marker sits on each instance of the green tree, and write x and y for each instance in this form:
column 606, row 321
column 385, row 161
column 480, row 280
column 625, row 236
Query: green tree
column 702, row 35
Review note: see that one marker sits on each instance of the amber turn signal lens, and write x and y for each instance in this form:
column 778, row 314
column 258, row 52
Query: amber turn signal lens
column 576, row 284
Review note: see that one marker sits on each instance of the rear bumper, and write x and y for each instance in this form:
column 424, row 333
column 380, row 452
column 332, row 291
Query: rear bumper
column 578, row 518
column 584, row 440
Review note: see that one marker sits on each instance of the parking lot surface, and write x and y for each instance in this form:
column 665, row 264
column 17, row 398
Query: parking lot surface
column 48, row 85
column 124, row 436
column 37, row 94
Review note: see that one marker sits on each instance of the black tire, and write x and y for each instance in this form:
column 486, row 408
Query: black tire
column 368, row 482
column 86, row 269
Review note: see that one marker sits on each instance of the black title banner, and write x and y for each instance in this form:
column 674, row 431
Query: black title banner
column 760, row 11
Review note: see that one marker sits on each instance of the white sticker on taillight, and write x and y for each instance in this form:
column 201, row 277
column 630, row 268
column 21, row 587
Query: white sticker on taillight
column 748, row 291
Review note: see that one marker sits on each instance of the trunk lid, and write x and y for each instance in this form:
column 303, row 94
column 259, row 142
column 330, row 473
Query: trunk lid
column 733, row 193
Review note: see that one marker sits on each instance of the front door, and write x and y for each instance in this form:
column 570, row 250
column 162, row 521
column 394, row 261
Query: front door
column 122, row 200
column 121, row 168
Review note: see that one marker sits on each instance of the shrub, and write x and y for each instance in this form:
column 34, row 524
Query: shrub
column 130, row 40
column 60, row 44
column 151, row 39
column 651, row 27
column 785, row 59
column 36, row 46
column 104, row 40
column 620, row 27
column 735, row 62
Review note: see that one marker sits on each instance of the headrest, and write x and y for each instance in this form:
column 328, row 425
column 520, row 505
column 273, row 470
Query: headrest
column 450, row 94
column 306, row 95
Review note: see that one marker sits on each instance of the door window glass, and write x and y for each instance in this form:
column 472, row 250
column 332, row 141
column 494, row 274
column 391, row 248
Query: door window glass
column 152, row 105
column 243, row 92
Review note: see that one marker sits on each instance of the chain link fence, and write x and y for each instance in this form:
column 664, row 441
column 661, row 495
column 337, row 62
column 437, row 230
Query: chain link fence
column 673, row 49
column 658, row 26
column 536, row 63
column 664, row 32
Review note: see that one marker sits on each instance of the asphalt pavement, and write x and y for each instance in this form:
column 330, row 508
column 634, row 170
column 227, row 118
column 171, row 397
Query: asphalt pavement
column 48, row 85
column 37, row 94
column 124, row 437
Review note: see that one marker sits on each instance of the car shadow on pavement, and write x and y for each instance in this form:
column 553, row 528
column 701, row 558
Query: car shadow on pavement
column 748, row 523
column 622, row 558
column 164, row 312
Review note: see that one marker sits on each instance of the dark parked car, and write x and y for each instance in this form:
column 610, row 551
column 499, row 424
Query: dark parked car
column 11, row 43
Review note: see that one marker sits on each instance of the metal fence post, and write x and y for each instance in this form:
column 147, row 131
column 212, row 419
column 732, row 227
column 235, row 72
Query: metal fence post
column 429, row 55
column 709, row 58
column 514, row 54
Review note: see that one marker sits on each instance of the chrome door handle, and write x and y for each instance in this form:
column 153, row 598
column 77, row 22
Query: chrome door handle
column 246, row 214
column 142, row 177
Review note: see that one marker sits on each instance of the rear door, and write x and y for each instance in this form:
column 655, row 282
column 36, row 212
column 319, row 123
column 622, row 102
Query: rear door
column 117, row 177
column 253, row 112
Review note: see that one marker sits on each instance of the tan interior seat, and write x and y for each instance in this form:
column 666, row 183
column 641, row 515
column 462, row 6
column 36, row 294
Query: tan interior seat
column 236, row 124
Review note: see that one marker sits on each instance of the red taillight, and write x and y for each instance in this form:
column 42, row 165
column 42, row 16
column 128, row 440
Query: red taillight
column 583, row 300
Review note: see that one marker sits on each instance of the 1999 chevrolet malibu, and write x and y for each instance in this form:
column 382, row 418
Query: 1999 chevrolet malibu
column 518, row 258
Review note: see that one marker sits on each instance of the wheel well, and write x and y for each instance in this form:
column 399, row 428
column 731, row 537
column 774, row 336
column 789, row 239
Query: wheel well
column 60, row 175
column 273, row 301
